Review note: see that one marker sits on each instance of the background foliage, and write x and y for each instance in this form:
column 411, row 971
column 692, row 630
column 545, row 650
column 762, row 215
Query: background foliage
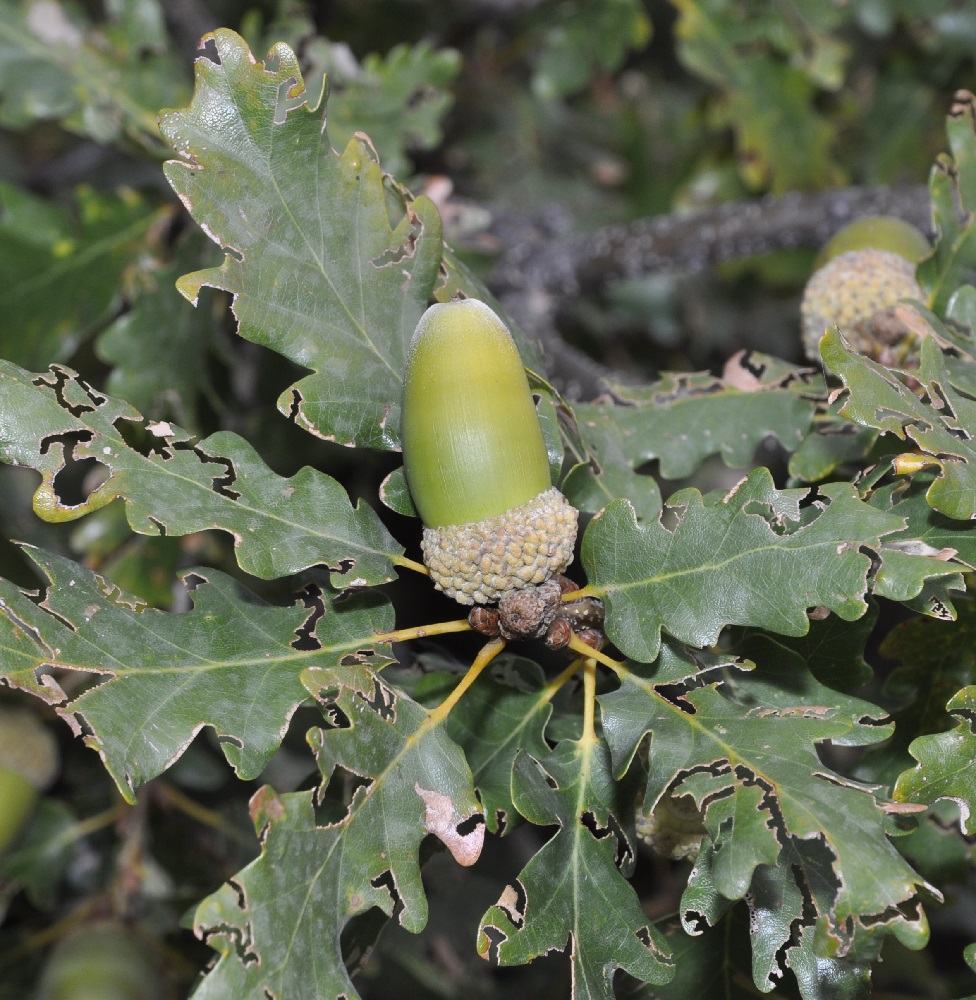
column 195, row 572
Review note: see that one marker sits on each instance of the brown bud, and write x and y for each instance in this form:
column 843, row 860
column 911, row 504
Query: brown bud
column 590, row 636
column 559, row 634
column 584, row 613
column 528, row 613
column 484, row 620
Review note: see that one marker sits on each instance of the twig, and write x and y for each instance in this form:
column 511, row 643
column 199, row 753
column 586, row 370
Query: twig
column 543, row 265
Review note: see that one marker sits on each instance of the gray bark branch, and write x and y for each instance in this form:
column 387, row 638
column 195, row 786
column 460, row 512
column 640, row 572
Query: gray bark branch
column 542, row 265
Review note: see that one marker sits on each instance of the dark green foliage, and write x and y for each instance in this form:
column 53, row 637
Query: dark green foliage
column 782, row 553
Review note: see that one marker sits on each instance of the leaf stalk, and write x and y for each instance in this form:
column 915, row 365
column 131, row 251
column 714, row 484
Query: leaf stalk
column 488, row 652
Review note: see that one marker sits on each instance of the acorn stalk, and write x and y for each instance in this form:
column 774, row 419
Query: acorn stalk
column 475, row 459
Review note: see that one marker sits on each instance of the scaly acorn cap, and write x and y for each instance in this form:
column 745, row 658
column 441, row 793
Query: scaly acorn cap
column 859, row 276
column 858, row 292
column 475, row 459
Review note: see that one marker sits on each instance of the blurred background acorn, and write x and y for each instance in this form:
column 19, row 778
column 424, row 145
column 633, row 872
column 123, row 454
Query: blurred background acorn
column 861, row 275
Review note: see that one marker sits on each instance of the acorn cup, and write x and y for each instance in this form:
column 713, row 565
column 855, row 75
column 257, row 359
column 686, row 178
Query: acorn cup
column 28, row 767
column 475, row 459
column 102, row 961
column 861, row 274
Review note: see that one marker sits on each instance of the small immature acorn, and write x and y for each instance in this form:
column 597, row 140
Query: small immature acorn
column 878, row 232
column 28, row 766
column 861, row 274
column 102, row 961
column 475, row 459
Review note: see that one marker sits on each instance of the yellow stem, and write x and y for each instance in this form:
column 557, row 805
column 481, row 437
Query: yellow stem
column 201, row 814
column 589, row 700
column 576, row 595
column 422, row 631
column 549, row 691
column 588, row 652
column 95, row 823
column 410, row 564
column 488, row 652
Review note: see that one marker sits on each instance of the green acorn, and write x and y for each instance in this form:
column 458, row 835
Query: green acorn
column 28, row 766
column 475, row 459
column 102, row 961
column 861, row 274
column 876, row 232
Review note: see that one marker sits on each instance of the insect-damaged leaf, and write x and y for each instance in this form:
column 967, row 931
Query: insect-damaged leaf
column 783, row 927
column 316, row 270
column 280, row 526
column 278, row 924
column 939, row 420
column 681, row 420
column 231, row 662
column 498, row 718
column 952, row 186
column 573, row 894
column 745, row 749
column 757, row 556
column 945, row 763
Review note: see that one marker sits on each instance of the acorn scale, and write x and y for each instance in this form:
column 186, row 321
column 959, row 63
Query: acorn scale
column 476, row 461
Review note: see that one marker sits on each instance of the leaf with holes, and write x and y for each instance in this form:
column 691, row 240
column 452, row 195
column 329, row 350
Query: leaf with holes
column 682, row 420
column 279, row 526
column 231, row 662
column 573, row 894
column 938, row 419
column 278, row 925
column 952, row 187
column 945, row 763
column 784, row 929
column 745, row 750
column 316, row 271
column 732, row 560
column 501, row 716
